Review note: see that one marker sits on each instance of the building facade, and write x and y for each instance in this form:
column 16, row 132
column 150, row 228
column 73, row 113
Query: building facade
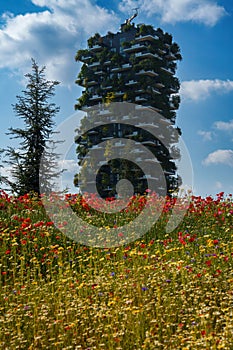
column 135, row 65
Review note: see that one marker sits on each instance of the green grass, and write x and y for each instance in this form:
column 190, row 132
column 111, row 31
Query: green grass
column 163, row 291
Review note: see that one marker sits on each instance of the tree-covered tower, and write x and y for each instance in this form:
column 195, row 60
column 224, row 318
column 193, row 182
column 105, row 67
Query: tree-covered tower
column 136, row 65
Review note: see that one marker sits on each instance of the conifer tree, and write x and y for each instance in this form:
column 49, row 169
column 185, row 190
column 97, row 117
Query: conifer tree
column 37, row 113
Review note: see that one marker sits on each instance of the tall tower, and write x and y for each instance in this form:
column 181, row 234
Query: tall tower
column 136, row 65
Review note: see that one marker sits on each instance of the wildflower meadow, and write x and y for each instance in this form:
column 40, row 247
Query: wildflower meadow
column 160, row 291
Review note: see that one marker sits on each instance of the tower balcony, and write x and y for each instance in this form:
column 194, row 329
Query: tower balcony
column 147, row 55
column 125, row 117
column 123, row 67
column 164, row 122
column 151, row 177
column 96, row 148
column 147, row 123
column 126, row 66
column 150, row 143
column 92, row 82
column 104, row 112
column 85, row 58
column 98, row 122
column 119, row 93
column 170, row 56
column 146, row 37
column 107, row 138
column 151, row 73
column 116, row 69
column 163, row 52
column 118, row 144
column 95, row 98
column 131, row 82
column 167, row 70
column 107, row 63
column 156, row 91
column 92, row 132
column 94, row 64
column 171, row 172
column 131, row 134
column 135, row 47
column 148, row 177
column 83, row 142
column 99, row 72
column 172, row 90
column 151, row 160
column 140, row 99
column 106, row 85
column 159, row 85
column 137, row 150
column 86, row 108
column 162, row 136
column 142, row 108
column 157, row 110
column 96, row 48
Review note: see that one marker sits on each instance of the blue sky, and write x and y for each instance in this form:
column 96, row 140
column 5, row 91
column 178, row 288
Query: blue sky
column 51, row 31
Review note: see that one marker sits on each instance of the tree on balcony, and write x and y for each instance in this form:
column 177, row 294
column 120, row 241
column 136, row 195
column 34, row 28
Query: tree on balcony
column 145, row 30
column 93, row 40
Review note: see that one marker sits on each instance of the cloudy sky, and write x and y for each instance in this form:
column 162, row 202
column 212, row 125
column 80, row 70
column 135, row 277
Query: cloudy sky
column 51, row 31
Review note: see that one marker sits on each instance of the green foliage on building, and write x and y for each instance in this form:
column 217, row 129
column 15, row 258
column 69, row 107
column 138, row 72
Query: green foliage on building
column 135, row 65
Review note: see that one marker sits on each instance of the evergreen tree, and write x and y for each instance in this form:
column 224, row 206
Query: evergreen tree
column 37, row 113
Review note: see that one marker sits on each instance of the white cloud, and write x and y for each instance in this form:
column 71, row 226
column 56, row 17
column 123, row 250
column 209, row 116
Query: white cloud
column 224, row 126
column 207, row 12
column 52, row 36
column 69, row 165
column 218, row 185
column 207, row 135
column 221, row 156
column 201, row 89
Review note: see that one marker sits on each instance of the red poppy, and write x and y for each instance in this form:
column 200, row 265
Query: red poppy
column 49, row 223
column 203, row 333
